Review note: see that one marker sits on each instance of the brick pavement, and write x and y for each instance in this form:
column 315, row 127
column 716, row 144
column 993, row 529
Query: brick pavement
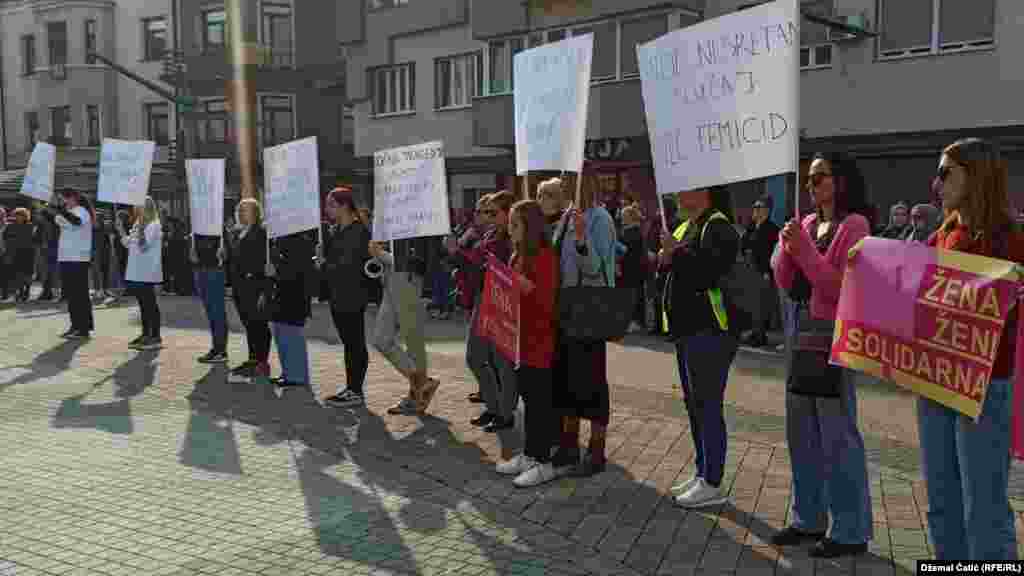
column 118, row 462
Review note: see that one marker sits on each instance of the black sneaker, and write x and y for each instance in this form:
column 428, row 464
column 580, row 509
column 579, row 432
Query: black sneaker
column 214, row 358
column 69, row 333
column 246, row 368
column 827, row 548
column 793, row 536
column 79, row 335
column 346, row 399
column 135, row 343
column 152, row 343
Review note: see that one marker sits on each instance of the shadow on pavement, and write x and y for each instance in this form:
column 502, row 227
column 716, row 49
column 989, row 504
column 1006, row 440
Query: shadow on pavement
column 48, row 364
column 209, row 442
column 129, row 380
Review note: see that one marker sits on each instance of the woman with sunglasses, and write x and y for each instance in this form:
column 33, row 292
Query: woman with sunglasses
column 826, row 448
column 966, row 463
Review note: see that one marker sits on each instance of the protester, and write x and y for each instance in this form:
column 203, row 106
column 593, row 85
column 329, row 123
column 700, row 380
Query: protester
column 924, row 220
column 345, row 260
column 704, row 325
column 634, row 263
column 74, row 253
column 401, row 313
column 100, row 271
column 19, row 255
column 207, row 256
column 470, row 281
column 291, row 291
column 966, row 462
column 440, row 285
column 758, row 242
column 672, row 220
column 145, row 270
column 897, row 228
column 46, row 267
column 536, row 262
column 585, row 242
column 826, row 448
column 249, row 283
column 552, row 202
column 493, row 373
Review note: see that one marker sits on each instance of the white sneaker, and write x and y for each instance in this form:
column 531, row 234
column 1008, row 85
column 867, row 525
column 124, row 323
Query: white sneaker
column 516, row 466
column 699, row 495
column 685, row 486
column 537, row 475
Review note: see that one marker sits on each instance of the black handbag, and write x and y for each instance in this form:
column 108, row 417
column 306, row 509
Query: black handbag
column 594, row 313
column 809, row 372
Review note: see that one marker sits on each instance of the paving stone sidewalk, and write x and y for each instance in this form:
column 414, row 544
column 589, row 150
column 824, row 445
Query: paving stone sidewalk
column 117, row 463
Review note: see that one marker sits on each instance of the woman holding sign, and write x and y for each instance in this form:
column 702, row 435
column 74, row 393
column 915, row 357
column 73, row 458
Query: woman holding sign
column 826, row 449
column 145, row 270
column 966, row 464
column 74, row 254
column 249, row 283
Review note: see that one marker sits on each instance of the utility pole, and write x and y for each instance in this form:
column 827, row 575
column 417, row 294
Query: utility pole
column 242, row 55
column 3, row 114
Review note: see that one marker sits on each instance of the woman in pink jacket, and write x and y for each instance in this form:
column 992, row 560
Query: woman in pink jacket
column 826, row 448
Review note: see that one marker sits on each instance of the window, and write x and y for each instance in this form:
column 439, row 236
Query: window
column 815, row 43
column 384, row 4
column 60, row 126
column 28, row 55
column 158, row 123
column 500, row 53
column 277, row 33
column 57, row 41
column 908, row 27
column 603, row 65
column 92, row 125
column 634, row 33
column 214, row 30
column 31, row 129
column 90, row 41
column 214, row 129
column 278, row 124
column 812, row 57
column 394, row 89
column 457, row 80
column 154, row 39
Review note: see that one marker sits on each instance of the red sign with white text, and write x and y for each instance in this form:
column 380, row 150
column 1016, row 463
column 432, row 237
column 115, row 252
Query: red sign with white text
column 498, row 318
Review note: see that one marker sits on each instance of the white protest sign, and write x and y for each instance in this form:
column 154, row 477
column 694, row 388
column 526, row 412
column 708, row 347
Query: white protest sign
column 292, row 187
column 206, row 195
column 125, row 167
column 551, row 97
column 410, row 191
column 721, row 98
column 39, row 174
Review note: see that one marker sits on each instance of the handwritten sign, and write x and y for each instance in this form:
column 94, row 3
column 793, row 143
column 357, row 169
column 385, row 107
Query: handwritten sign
column 206, row 195
column 410, row 189
column 498, row 320
column 39, row 175
column 292, row 187
column 721, row 98
column 551, row 97
column 926, row 319
column 125, row 168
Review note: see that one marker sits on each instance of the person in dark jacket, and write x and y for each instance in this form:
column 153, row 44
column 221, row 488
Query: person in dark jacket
column 898, row 222
column 706, row 340
column 345, row 261
column 207, row 255
column 634, row 263
column 758, row 243
column 250, row 263
column 20, row 254
column 291, row 290
column 671, row 218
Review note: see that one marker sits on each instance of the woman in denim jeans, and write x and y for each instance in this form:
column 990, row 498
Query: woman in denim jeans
column 966, row 463
column 826, row 449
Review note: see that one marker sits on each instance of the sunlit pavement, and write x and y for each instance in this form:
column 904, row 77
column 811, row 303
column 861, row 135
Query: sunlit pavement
column 117, row 462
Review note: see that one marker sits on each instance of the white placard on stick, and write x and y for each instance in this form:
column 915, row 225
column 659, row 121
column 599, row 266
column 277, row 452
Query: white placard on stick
column 551, row 98
column 206, row 195
column 722, row 98
column 410, row 191
column 125, row 168
column 39, row 174
column 291, row 174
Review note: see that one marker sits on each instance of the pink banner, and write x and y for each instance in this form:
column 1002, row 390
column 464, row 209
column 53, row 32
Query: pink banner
column 925, row 319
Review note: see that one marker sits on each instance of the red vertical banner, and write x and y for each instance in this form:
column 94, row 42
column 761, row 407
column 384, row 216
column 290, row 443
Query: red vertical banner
column 1017, row 414
column 498, row 319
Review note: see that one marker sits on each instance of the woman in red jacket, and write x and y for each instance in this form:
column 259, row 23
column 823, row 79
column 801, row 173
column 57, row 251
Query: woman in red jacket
column 536, row 262
column 966, row 463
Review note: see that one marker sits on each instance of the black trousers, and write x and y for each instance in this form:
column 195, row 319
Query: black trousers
column 351, row 327
column 74, row 278
column 257, row 328
column 149, row 309
column 543, row 422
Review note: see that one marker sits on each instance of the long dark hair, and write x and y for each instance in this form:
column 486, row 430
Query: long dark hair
column 850, row 190
column 531, row 216
column 986, row 205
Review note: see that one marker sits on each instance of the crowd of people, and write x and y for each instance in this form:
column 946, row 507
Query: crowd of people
column 565, row 237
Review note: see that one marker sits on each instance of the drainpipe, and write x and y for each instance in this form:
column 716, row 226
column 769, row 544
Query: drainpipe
column 3, row 116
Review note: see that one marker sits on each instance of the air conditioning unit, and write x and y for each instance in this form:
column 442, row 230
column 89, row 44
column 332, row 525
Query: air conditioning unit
column 58, row 71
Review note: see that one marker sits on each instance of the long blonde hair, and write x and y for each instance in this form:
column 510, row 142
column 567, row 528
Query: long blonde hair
column 150, row 212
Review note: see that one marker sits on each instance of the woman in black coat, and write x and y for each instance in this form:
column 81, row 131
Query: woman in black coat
column 20, row 254
column 634, row 263
column 249, row 260
column 291, row 292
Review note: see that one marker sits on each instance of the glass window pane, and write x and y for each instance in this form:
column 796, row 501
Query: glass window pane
column 905, row 24
column 444, row 83
column 517, row 46
column 536, row 39
column 403, row 86
column 805, row 57
column 556, row 35
column 381, row 93
column 57, row 36
column 604, row 50
column 458, row 78
column 498, row 57
column 823, row 55
column 636, row 32
column 966, row 20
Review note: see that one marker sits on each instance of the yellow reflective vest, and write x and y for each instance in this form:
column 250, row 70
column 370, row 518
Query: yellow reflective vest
column 714, row 294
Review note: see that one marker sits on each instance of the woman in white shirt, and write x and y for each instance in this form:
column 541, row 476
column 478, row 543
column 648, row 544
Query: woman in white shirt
column 145, row 270
column 74, row 254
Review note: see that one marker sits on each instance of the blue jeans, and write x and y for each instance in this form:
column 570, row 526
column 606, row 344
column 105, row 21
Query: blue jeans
column 830, row 471
column 966, row 467
column 440, row 289
column 210, row 288
column 704, row 361
column 291, row 349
